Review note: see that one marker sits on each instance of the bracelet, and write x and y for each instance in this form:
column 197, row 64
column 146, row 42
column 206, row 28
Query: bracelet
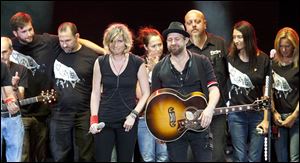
column 132, row 115
column 94, row 119
column 8, row 100
column 135, row 113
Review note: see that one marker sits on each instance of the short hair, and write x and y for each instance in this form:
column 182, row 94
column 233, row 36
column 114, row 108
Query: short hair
column 67, row 25
column 118, row 29
column 8, row 40
column 292, row 36
column 19, row 20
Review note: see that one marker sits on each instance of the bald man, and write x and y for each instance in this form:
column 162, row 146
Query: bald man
column 214, row 48
column 12, row 128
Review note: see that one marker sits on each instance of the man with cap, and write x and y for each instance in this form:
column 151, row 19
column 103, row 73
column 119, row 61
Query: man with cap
column 187, row 72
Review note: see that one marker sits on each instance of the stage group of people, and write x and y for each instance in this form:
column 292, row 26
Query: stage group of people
column 98, row 110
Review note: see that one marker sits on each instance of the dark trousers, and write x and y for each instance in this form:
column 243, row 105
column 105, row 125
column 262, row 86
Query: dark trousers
column 114, row 134
column 69, row 138
column 201, row 146
column 218, row 128
column 36, row 139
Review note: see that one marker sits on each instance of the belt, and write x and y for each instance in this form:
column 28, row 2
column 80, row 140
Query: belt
column 8, row 115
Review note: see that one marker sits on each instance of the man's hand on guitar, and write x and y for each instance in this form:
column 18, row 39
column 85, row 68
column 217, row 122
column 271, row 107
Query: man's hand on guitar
column 206, row 117
column 12, row 107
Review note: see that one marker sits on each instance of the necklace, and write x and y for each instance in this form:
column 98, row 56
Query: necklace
column 118, row 70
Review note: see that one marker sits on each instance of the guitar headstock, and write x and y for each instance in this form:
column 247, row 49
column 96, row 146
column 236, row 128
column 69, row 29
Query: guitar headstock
column 48, row 96
column 261, row 104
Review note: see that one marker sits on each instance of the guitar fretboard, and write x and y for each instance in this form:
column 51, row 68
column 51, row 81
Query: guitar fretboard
column 29, row 101
column 237, row 108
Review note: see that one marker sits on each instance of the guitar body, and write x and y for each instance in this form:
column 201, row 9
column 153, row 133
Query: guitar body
column 169, row 114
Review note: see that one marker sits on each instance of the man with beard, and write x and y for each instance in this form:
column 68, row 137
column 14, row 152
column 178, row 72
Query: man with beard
column 69, row 122
column 187, row 72
column 212, row 46
column 37, row 52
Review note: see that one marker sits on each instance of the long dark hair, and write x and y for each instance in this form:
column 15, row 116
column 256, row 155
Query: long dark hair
column 250, row 42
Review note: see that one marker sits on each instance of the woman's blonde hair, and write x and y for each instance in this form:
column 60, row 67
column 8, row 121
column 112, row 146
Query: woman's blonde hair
column 113, row 31
column 292, row 36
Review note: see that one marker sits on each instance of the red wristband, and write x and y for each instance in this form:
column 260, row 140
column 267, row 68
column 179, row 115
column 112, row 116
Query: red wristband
column 94, row 119
column 8, row 100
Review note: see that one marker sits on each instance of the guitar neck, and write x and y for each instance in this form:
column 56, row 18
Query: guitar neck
column 236, row 108
column 29, row 100
column 23, row 102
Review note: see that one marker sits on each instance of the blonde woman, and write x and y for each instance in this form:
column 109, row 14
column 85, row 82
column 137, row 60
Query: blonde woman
column 115, row 105
column 286, row 94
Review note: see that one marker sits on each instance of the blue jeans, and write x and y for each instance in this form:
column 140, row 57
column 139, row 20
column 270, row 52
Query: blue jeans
column 12, row 130
column 151, row 150
column 287, row 145
column 247, row 143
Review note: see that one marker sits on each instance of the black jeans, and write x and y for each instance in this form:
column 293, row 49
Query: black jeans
column 69, row 138
column 218, row 128
column 201, row 145
column 114, row 134
column 36, row 139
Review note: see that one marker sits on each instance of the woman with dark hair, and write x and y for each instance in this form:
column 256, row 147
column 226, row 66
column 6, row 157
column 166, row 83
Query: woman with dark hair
column 152, row 42
column 248, row 67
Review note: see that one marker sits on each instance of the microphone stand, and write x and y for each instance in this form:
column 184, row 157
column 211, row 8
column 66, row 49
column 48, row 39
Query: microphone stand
column 267, row 141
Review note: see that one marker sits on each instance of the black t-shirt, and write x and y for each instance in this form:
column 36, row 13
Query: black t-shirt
column 215, row 49
column 22, row 73
column 198, row 75
column 5, row 75
column 119, row 92
column 73, row 74
column 246, row 84
column 38, row 57
column 286, row 88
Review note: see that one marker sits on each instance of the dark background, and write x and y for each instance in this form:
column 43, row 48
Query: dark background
column 92, row 17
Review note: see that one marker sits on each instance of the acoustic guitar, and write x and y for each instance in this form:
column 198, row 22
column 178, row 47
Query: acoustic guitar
column 45, row 96
column 170, row 114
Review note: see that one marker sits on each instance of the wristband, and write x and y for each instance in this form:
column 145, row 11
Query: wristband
column 94, row 119
column 132, row 115
column 8, row 100
column 135, row 112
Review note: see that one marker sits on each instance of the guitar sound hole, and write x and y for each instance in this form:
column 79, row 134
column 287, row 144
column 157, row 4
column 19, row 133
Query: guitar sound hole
column 172, row 117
